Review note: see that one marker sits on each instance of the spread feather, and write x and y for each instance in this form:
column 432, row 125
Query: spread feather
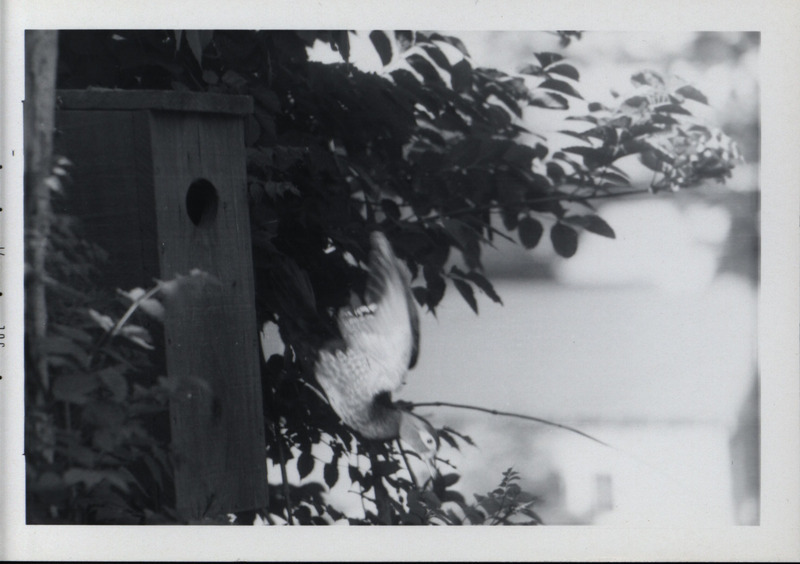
column 380, row 344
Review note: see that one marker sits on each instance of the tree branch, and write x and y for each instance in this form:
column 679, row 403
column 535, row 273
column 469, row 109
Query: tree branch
column 284, row 477
column 561, row 196
column 510, row 414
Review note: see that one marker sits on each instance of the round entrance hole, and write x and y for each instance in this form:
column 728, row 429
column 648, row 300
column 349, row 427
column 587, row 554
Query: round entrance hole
column 201, row 202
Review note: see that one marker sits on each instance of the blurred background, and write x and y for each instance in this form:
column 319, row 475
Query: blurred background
column 647, row 342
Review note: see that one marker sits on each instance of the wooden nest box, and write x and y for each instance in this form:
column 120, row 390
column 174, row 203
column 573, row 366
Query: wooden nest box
column 159, row 181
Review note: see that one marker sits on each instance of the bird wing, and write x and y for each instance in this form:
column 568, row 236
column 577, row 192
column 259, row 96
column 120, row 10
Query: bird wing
column 384, row 331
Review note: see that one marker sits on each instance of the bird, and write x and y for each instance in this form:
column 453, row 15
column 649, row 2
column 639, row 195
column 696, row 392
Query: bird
column 378, row 343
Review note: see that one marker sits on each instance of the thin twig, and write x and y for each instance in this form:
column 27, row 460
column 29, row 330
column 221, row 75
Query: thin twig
column 510, row 414
column 285, row 478
column 405, row 459
column 111, row 333
column 381, row 495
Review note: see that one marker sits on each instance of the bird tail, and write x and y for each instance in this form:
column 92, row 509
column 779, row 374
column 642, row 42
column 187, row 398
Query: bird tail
column 387, row 273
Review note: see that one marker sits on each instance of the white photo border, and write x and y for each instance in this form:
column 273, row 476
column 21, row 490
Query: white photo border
column 776, row 538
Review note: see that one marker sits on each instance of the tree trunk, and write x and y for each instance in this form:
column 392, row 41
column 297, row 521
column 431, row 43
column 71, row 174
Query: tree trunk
column 41, row 51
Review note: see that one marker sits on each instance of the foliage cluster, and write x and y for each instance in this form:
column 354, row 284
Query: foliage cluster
column 432, row 150
column 93, row 447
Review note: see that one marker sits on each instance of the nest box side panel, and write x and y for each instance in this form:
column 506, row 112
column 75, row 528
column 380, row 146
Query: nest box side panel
column 211, row 333
column 111, row 192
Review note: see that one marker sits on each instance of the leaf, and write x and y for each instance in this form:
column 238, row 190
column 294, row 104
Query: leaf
column 431, row 499
column 330, row 473
column 692, row 93
column 302, row 514
column 454, row 41
column 615, row 178
column 489, row 504
column 461, row 76
column 446, row 437
column 210, row 77
column 340, row 41
column 531, row 69
column 466, row 239
column 673, row 109
column 424, row 68
column 574, row 134
column 437, row 56
column 510, row 190
column 548, row 100
column 560, row 86
column 355, row 474
column 390, row 208
column 234, row 80
column 66, row 347
column 463, row 437
column 266, row 98
column 605, row 133
column 138, row 335
column 435, row 285
column 555, row 171
column 73, row 333
column 450, row 479
column 475, row 516
column 481, row 282
column 564, row 239
column 75, row 388
column 509, row 100
column 420, row 294
column 195, row 44
column 104, row 414
column 636, row 101
column 531, row 513
column 382, row 45
column 113, row 379
column 385, row 467
column 305, row 463
column 598, row 225
column 106, row 439
column 592, row 157
column 90, row 478
column 510, row 216
column 454, row 496
column 652, row 159
column 565, row 70
column 407, row 519
column 520, row 155
column 467, row 293
column 530, row 232
column 546, row 59
column 155, row 470
column 54, row 183
column 647, row 78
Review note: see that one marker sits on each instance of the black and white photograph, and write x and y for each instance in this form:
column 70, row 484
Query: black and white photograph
column 490, row 272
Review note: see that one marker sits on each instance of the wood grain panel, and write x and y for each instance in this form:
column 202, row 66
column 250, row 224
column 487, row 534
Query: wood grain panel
column 211, row 332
